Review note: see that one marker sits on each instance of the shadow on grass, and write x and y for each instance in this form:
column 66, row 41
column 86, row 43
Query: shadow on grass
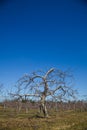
column 5, row 129
column 36, row 116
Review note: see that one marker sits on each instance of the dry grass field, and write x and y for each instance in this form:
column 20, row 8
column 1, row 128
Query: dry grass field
column 61, row 120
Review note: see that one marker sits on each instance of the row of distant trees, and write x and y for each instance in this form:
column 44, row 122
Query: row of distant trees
column 25, row 106
column 45, row 89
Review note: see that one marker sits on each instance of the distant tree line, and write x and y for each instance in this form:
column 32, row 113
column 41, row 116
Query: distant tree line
column 19, row 106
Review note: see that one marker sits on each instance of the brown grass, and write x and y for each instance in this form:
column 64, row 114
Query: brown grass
column 66, row 120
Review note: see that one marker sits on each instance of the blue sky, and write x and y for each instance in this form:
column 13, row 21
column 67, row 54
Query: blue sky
column 42, row 34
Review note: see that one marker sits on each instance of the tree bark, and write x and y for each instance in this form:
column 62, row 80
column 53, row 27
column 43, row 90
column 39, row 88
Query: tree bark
column 43, row 106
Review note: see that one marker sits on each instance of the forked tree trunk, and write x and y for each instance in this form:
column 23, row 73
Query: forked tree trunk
column 43, row 106
column 44, row 109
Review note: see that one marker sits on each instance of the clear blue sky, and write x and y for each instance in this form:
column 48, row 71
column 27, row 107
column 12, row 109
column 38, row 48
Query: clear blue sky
column 39, row 34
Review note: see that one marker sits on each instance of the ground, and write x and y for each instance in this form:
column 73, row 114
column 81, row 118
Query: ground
column 60, row 120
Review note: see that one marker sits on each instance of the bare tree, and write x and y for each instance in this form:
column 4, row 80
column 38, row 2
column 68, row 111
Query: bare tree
column 45, row 85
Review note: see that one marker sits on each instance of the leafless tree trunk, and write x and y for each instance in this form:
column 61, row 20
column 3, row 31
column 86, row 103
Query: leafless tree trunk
column 43, row 106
